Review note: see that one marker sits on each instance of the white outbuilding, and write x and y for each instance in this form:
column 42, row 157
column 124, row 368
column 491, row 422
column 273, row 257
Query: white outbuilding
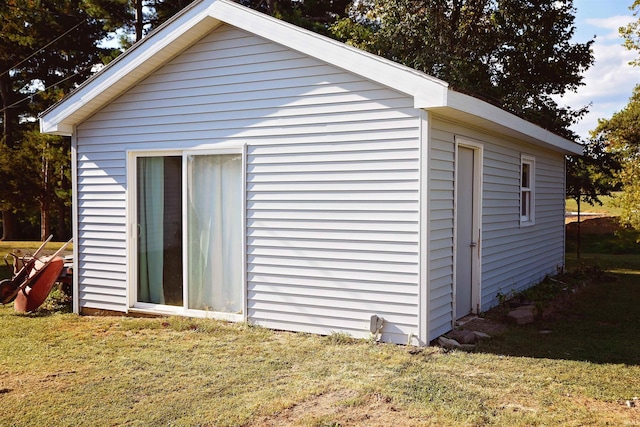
column 234, row 166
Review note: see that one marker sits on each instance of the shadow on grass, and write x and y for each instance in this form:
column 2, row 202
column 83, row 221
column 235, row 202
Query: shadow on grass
column 599, row 323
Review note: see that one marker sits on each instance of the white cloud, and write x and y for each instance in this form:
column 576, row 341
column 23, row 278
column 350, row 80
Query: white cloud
column 609, row 82
column 612, row 23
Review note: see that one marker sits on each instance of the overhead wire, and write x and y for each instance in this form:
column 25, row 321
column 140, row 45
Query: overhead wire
column 26, row 98
column 42, row 48
column 34, row 54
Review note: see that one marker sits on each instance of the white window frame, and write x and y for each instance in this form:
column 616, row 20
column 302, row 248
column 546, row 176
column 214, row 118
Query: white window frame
column 132, row 246
column 527, row 197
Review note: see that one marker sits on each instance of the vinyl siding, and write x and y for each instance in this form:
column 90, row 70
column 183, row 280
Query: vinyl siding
column 513, row 256
column 332, row 182
column 440, row 247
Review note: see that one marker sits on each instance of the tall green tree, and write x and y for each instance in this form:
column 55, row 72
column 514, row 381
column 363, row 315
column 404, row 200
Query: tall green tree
column 591, row 176
column 133, row 19
column 622, row 135
column 47, row 47
column 515, row 54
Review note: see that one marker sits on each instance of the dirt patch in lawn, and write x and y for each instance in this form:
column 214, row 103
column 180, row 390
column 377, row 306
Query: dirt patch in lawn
column 599, row 226
column 341, row 408
column 485, row 325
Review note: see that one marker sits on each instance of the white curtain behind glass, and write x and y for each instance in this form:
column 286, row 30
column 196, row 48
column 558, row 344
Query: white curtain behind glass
column 215, row 232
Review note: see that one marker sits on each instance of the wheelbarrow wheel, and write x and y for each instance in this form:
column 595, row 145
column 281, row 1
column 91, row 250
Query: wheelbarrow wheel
column 7, row 291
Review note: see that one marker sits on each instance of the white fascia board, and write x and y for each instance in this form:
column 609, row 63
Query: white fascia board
column 426, row 90
column 139, row 61
column 511, row 123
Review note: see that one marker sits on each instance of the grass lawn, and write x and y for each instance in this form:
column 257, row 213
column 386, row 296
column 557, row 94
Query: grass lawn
column 608, row 206
column 66, row 370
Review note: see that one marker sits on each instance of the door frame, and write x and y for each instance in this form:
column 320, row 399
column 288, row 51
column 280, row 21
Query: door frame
column 132, row 236
column 476, row 294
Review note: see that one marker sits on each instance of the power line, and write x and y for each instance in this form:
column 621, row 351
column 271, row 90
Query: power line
column 46, row 88
column 43, row 48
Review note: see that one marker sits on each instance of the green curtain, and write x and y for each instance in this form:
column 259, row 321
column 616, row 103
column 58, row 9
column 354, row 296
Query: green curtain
column 151, row 228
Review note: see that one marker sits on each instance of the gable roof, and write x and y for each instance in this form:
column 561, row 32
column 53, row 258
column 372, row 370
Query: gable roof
column 203, row 16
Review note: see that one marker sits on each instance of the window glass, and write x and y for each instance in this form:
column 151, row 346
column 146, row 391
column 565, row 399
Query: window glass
column 527, row 190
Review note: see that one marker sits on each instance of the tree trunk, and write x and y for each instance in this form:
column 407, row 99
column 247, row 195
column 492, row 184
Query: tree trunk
column 6, row 96
column 9, row 226
column 62, row 232
column 45, row 229
column 139, row 20
column 578, row 245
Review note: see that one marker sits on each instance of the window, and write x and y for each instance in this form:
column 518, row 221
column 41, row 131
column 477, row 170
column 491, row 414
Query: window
column 188, row 213
column 527, row 190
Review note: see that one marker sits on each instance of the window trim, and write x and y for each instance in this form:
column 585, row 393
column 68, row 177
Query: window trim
column 528, row 218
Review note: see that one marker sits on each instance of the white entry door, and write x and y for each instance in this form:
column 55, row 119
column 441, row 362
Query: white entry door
column 467, row 231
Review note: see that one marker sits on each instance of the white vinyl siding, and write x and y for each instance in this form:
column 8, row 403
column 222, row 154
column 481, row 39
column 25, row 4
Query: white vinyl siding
column 513, row 257
column 332, row 182
column 440, row 246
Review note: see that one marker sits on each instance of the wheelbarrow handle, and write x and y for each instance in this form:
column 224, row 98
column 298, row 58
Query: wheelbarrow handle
column 37, row 252
column 62, row 248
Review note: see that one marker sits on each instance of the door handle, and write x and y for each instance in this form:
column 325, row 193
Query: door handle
column 473, row 244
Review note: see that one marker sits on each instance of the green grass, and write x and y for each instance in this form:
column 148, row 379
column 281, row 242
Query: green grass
column 620, row 243
column 608, row 207
column 597, row 322
column 66, row 370
column 62, row 369
column 28, row 246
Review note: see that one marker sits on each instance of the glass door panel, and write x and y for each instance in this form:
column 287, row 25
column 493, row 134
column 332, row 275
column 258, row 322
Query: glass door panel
column 159, row 219
column 214, row 222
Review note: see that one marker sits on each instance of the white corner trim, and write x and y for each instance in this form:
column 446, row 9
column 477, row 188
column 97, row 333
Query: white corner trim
column 425, row 237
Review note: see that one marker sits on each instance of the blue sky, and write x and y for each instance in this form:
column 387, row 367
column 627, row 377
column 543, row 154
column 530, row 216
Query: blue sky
column 610, row 81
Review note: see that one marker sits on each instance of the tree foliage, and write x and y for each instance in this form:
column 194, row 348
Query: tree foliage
column 47, row 47
column 622, row 135
column 631, row 32
column 314, row 15
column 593, row 174
column 515, row 54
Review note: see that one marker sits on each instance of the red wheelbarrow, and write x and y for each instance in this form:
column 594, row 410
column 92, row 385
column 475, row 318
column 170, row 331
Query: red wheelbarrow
column 33, row 278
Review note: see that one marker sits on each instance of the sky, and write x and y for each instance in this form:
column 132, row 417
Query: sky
column 610, row 81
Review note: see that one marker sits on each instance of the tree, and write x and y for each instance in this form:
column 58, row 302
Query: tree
column 135, row 18
column 631, row 33
column 622, row 135
column 314, row 15
column 515, row 54
column 47, row 47
column 591, row 176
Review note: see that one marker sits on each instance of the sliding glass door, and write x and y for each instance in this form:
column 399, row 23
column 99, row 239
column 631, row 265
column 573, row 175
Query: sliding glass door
column 189, row 220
